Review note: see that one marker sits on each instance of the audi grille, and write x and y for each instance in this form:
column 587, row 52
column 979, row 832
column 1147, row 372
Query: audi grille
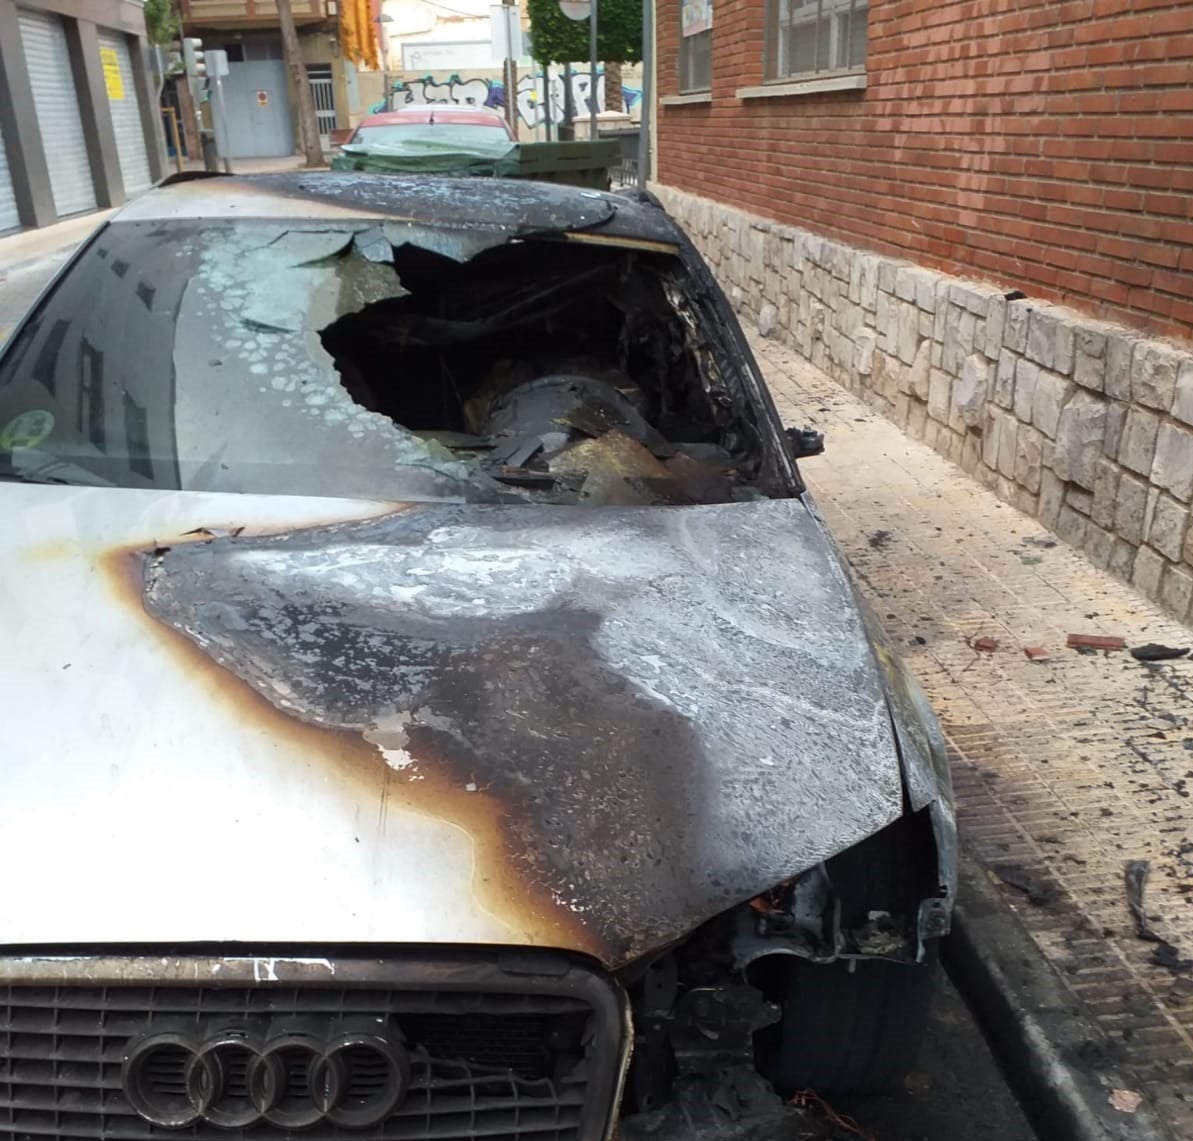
column 506, row 1046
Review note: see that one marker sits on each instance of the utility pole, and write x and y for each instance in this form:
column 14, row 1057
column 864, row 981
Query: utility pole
column 218, row 68
column 383, row 45
column 579, row 10
column 195, row 61
column 567, row 129
column 546, row 66
column 592, row 51
column 647, row 96
column 308, row 126
column 509, row 66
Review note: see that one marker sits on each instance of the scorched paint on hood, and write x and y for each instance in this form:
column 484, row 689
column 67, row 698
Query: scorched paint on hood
column 345, row 722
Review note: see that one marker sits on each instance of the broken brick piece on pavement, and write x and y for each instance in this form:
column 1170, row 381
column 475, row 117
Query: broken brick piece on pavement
column 1095, row 642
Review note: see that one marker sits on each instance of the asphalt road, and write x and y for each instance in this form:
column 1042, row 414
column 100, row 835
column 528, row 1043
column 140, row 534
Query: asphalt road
column 956, row 1091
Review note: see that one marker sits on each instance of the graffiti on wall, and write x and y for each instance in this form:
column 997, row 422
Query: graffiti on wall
column 491, row 93
column 462, row 92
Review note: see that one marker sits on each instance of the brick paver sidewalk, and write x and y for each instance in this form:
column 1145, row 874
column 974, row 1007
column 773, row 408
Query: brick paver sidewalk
column 1065, row 767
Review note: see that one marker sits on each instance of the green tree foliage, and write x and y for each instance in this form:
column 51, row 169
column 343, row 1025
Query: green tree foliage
column 162, row 21
column 556, row 39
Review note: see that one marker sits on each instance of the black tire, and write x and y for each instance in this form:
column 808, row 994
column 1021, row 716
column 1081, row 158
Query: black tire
column 852, row 1032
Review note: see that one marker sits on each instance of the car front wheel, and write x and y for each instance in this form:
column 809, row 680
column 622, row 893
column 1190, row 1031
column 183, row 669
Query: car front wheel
column 852, row 1027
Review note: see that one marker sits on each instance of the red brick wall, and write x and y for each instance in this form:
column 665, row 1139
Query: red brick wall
column 1044, row 145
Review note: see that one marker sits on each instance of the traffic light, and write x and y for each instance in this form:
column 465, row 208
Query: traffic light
column 194, row 57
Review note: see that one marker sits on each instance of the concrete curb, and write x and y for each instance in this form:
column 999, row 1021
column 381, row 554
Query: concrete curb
column 1056, row 1060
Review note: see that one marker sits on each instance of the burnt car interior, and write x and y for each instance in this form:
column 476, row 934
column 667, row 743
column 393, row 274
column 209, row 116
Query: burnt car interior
column 567, row 372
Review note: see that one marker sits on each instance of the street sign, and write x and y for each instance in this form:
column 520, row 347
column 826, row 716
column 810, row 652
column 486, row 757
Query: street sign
column 505, row 31
column 575, row 9
column 262, row 98
column 466, row 55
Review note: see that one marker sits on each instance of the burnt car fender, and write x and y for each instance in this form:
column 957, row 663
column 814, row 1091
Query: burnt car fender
column 923, row 756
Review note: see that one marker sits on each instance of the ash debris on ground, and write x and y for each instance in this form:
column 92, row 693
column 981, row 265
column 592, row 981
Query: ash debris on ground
column 1165, row 954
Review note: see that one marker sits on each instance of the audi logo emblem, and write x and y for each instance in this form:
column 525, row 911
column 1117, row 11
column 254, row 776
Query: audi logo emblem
column 234, row 1080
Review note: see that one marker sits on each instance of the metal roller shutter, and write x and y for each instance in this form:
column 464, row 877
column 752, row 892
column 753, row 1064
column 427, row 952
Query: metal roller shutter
column 126, row 115
column 9, row 218
column 57, row 106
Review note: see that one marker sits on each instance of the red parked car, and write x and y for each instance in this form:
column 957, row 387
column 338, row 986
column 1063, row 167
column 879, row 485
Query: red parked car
column 442, row 122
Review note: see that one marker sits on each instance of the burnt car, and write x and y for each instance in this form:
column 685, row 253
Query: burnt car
column 434, row 705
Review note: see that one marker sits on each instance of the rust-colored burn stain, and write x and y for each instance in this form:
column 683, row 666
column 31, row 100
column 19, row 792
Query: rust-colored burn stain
column 580, row 692
column 569, row 782
column 50, row 551
column 429, row 787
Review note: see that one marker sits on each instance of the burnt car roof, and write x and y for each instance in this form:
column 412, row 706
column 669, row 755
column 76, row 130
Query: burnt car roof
column 521, row 207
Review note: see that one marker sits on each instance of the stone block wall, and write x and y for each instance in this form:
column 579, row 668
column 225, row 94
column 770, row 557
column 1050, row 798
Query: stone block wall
column 1086, row 426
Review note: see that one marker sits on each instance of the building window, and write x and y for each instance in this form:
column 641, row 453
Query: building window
column 259, row 48
column 695, row 45
column 323, row 95
column 805, row 37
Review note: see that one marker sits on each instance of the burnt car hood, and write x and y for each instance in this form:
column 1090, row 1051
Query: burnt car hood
column 288, row 721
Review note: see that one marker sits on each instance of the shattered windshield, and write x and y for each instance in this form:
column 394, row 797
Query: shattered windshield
column 377, row 360
column 189, row 356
